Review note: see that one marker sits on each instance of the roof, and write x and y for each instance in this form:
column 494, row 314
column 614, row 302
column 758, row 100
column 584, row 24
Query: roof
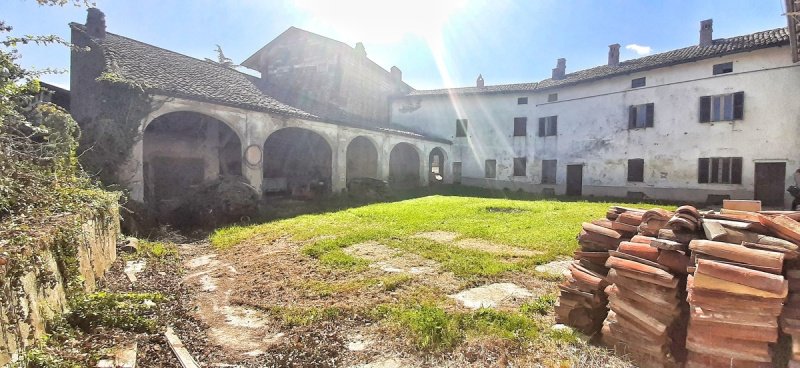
column 719, row 47
column 178, row 75
column 252, row 61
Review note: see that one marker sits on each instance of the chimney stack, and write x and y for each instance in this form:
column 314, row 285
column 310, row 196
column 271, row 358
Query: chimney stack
column 96, row 23
column 706, row 30
column 479, row 81
column 397, row 74
column 613, row 54
column 561, row 69
column 360, row 50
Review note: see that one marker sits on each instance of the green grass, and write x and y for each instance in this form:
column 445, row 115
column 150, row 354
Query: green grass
column 546, row 226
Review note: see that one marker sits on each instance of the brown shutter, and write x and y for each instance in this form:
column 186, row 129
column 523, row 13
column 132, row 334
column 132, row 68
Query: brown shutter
column 702, row 170
column 725, row 162
column 738, row 105
column 555, row 125
column 651, row 109
column 714, row 177
column 541, row 127
column 631, row 117
column 705, row 109
column 736, row 170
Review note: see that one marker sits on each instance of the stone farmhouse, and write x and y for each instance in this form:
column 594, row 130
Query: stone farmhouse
column 699, row 123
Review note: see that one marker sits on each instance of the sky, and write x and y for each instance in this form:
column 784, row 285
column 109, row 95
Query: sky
column 436, row 43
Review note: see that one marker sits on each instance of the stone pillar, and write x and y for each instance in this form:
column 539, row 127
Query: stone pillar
column 425, row 164
column 253, row 166
column 339, row 164
column 384, row 153
column 132, row 172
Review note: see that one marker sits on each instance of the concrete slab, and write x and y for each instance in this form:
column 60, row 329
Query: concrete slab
column 492, row 295
column 555, row 268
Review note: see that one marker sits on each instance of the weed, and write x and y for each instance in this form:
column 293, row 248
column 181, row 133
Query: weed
column 430, row 327
column 127, row 311
column 542, row 305
column 295, row 316
column 155, row 251
column 39, row 358
column 391, row 283
column 339, row 259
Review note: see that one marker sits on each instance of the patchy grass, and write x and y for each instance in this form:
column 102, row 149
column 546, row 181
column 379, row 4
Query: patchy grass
column 296, row 316
column 541, row 305
column 127, row 311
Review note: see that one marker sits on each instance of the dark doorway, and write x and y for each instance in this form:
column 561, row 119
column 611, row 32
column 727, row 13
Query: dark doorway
column 362, row 159
column 404, row 167
column 297, row 161
column 770, row 179
column 574, row 180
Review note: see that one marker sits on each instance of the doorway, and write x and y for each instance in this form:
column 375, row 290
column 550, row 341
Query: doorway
column 769, row 181
column 574, row 180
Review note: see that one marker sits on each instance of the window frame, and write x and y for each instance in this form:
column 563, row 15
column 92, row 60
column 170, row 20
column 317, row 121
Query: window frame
column 520, row 126
column 522, row 100
column 713, row 107
column 461, row 127
column 549, row 178
column 634, row 82
column 520, row 166
column 636, row 171
column 548, row 126
column 645, row 112
column 722, row 68
column 490, row 166
column 553, row 97
column 719, row 170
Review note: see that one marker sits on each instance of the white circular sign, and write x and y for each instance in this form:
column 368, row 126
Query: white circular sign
column 253, row 155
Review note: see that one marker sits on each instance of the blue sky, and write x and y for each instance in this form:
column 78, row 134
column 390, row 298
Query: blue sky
column 436, row 43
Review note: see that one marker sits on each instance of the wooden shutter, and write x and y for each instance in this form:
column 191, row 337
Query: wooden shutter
column 736, row 170
column 702, row 170
column 705, row 109
column 541, row 127
column 725, row 162
column 631, row 117
column 714, row 177
column 636, row 170
column 554, row 131
column 738, row 105
column 651, row 109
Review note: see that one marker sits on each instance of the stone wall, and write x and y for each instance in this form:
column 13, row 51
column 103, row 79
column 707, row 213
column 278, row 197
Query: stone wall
column 30, row 298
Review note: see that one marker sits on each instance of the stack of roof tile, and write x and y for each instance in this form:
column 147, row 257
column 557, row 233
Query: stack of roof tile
column 736, row 295
column 582, row 301
column 790, row 316
column 646, row 321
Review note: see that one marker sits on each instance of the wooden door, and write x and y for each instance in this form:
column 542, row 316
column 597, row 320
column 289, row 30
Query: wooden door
column 574, row 180
column 769, row 183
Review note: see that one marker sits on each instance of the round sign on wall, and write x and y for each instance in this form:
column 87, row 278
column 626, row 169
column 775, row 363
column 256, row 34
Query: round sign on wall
column 253, row 155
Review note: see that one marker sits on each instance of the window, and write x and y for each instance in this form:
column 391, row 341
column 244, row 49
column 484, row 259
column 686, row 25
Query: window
column 722, row 107
column 636, row 170
column 638, row 82
column 641, row 116
column 520, row 166
column 461, row 127
column 723, row 68
column 548, row 126
column 724, row 170
column 553, row 97
column 549, row 171
column 491, row 169
column 522, row 101
column 520, row 127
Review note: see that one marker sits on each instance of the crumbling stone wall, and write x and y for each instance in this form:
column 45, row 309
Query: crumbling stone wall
column 25, row 310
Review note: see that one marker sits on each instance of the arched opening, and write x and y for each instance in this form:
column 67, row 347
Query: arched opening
column 362, row 159
column 436, row 164
column 181, row 150
column 297, row 161
column 404, row 166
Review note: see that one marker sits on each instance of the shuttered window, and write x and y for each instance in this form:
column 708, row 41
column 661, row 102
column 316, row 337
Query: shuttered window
column 520, row 127
column 638, row 82
column 520, row 166
column 641, row 116
column 461, row 127
column 722, row 170
column 723, row 68
column 722, row 107
column 636, row 170
column 548, row 126
column 549, row 171
column 490, row 169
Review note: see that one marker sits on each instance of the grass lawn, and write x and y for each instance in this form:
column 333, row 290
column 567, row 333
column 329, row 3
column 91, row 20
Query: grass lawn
column 513, row 236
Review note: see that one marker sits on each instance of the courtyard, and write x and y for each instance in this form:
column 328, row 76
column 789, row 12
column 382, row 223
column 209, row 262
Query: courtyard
column 431, row 281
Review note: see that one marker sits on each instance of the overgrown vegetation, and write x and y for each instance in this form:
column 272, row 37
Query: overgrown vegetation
column 126, row 311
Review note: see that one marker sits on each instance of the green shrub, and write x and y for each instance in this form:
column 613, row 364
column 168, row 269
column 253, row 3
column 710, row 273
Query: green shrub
column 126, row 311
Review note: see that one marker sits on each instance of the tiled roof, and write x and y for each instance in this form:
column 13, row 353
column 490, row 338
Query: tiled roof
column 719, row 47
column 178, row 75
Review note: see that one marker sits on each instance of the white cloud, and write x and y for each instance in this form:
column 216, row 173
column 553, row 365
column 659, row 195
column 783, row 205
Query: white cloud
column 639, row 49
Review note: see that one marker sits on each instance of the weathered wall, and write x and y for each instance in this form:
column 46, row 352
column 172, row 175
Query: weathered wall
column 592, row 128
column 30, row 299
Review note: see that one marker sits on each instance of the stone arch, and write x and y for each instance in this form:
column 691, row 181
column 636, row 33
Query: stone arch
column 436, row 166
column 404, row 166
column 362, row 158
column 182, row 149
column 297, row 161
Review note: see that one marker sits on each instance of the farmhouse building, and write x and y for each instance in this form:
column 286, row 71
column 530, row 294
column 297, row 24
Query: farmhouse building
column 700, row 123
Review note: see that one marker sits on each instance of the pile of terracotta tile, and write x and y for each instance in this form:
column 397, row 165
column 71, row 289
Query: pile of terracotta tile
column 647, row 317
column 737, row 291
column 790, row 316
column 582, row 302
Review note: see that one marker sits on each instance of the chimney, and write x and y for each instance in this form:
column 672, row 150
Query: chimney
column 706, row 30
column 397, row 74
column 360, row 50
column 96, row 23
column 479, row 81
column 613, row 54
column 560, row 69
